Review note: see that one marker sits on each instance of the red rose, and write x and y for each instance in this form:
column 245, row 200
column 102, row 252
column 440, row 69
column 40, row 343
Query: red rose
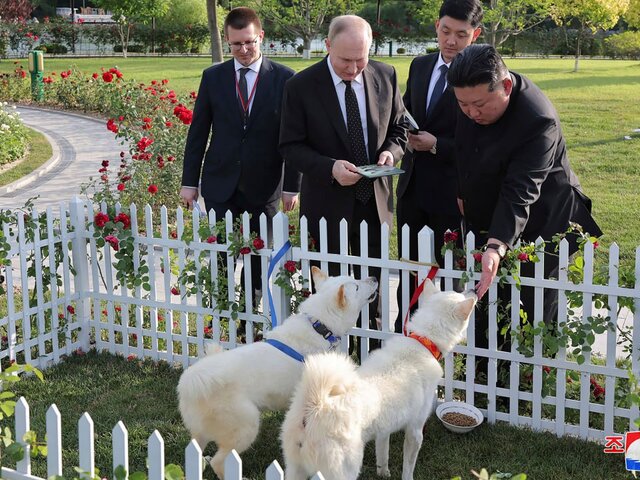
column 113, row 241
column 175, row 291
column 70, row 309
column 258, row 243
column 290, row 266
column 306, row 293
column 100, row 219
column 595, row 244
column 546, row 369
column 245, row 250
column 173, row 234
column 107, row 77
column 208, row 330
column 146, row 120
column 121, row 187
column 450, row 236
column 477, row 257
column 105, row 163
column 168, row 124
column 153, row 189
column 124, row 219
column 131, row 357
column 95, row 76
column 523, row 257
column 111, row 125
column 144, row 143
column 212, row 239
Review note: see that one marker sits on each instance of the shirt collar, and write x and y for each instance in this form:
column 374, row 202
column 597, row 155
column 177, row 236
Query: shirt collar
column 334, row 76
column 440, row 62
column 255, row 66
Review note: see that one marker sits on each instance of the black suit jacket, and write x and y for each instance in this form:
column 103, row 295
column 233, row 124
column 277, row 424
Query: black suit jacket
column 313, row 135
column 514, row 175
column 434, row 175
column 238, row 158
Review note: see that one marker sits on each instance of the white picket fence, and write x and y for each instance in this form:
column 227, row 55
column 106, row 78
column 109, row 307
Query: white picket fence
column 164, row 326
column 120, row 445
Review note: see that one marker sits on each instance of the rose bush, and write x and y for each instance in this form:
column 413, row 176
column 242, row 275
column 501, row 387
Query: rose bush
column 13, row 136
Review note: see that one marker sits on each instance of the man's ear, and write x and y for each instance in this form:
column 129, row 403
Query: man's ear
column 476, row 34
column 328, row 45
column 507, row 84
column 318, row 277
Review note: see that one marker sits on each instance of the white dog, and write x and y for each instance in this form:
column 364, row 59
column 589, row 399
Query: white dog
column 336, row 409
column 221, row 395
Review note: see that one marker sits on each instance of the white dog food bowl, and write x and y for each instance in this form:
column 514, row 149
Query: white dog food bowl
column 459, row 407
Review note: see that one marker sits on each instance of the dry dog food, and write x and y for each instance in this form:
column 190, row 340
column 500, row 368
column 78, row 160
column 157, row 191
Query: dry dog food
column 459, row 419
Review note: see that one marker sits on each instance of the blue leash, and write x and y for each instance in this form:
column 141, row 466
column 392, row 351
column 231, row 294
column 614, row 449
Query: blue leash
column 272, row 265
column 287, row 350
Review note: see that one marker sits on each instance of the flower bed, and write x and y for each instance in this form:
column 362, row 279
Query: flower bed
column 13, row 136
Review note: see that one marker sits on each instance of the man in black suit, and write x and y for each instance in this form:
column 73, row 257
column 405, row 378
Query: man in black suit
column 239, row 104
column 514, row 177
column 342, row 112
column 427, row 190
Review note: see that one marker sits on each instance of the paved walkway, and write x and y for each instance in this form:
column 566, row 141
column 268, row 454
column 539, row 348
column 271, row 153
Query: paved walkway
column 79, row 145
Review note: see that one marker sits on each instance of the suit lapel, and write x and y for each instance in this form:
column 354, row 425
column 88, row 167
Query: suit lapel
column 329, row 100
column 263, row 90
column 422, row 82
column 229, row 92
column 372, row 91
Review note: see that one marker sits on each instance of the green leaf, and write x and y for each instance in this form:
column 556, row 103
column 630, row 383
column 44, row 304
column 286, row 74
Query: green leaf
column 173, row 472
column 15, row 451
column 120, row 473
column 138, row 476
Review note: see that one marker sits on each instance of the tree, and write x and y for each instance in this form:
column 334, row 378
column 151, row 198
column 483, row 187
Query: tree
column 632, row 16
column 506, row 18
column 126, row 13
column 216, row 40
column 304, row 19
column 15, row 9
column 587, row 14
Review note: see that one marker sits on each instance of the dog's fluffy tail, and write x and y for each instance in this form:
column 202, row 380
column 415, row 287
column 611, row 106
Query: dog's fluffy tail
column 321, row 431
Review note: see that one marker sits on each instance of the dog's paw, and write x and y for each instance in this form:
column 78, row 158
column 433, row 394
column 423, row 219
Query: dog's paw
column 383, row 471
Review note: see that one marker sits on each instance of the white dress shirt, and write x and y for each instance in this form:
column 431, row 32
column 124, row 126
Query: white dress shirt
column 434, row 78
column 251, row 76
column 358, row 87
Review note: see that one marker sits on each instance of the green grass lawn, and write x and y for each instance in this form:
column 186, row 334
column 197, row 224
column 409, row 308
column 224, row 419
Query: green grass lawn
column 598, row 107
column 39, row 153
column 142, row 395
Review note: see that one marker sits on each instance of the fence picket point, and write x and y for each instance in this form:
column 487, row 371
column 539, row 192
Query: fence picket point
column 156, row 456
column 120, row 447
column 193, row 461
column 233, row 466
column 274, row 472
column 54, row 441
column 86, row 445
column 22, row 427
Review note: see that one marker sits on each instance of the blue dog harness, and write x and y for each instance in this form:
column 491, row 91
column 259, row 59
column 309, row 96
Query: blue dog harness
column 319, row 327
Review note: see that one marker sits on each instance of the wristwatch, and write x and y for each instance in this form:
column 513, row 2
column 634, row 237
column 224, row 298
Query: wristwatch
column 433, row 149
column 498, row 247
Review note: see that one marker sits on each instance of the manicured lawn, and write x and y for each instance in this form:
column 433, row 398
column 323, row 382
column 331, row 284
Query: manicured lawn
column 39, row 153
column 142, row 395
column 598, row 107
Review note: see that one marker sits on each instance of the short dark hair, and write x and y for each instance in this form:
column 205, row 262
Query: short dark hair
column 466, row 10
column 477, row 65
column 242, row 17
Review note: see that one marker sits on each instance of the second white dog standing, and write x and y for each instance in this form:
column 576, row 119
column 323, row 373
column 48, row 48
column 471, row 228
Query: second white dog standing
column 222, row 394
column 337, row 408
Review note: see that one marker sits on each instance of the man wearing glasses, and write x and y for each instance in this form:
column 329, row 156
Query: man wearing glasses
column 239, row 104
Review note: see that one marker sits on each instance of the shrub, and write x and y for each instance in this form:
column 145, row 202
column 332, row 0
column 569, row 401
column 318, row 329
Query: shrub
column 624, row 45
column 53, row 48
column 300, row 49
column 401, row 51
column 13, row 136
column 130, row 49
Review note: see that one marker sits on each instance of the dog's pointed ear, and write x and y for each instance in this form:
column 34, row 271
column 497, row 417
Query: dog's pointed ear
column 464, row 308
column 318, row 277
column 341, row 298
column 337, row 390
column 429, row 289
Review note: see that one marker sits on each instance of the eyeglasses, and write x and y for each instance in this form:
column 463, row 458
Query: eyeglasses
column 248, row 45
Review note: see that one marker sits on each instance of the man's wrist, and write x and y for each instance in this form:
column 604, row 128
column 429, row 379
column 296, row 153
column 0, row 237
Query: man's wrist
column 434, row 149
column 499, row 248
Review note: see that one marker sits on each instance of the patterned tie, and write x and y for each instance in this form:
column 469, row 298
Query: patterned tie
column 438, row 90
column 364, row 187
column 244, row 92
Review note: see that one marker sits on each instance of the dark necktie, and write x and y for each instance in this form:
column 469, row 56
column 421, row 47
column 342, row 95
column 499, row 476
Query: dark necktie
column 364, row 187
column 244, row 93
column 438, row 90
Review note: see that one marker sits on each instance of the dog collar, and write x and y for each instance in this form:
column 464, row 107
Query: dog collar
column 286, row 349
column 428, row 344
column 322, row 329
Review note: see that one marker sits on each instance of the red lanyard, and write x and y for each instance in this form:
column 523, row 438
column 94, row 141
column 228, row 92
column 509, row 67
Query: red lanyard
column 416, row 295
column 245, row 106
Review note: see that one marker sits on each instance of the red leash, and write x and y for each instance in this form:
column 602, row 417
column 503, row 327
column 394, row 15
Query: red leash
column 416, row 295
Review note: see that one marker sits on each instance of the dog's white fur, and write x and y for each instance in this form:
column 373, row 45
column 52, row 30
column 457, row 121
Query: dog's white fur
column 337, row 408
column 221, row 395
